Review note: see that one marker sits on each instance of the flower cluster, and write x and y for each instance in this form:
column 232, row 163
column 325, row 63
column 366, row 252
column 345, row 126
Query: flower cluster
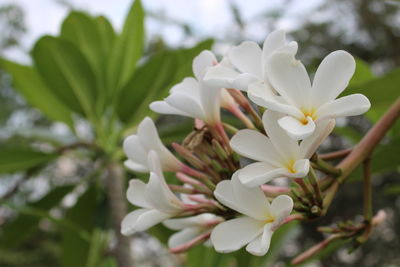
column 222, row 197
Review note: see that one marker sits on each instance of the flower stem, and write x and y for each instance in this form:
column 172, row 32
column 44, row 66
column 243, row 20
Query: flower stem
column 195, row 241
column 335, row 155
column 325, row 167
column 313, row 181
column 235, row 110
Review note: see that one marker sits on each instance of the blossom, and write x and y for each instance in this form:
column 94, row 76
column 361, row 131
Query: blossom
column 278, row 154
column 193, row 98
column 305, row 104
column 246, row 63
column 137, row 148
column 260, row 219
column 155, row 199
column 190, row 227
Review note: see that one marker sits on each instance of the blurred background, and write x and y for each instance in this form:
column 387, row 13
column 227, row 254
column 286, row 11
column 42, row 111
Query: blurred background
column 55, row 208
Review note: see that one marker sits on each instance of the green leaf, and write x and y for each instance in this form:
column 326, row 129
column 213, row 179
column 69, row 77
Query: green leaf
column 66, row 72
column 18, row 230
column 27, row 81
column 75, row 249
column 150, row 81
column 107, row 34
column 14, row 159
column 127, row 49
column 381, row 91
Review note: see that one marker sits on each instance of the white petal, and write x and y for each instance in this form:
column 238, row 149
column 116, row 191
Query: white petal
column 134, row 166
column 220, row 76
column 246, row 57
column 243, row 80
column 188, row 86
column 135, row 151
column 202, row 63
column 183, row 237
column 136, row 193
column 163, row 107
column 148, row 135
column 129, row 222
column 274, row 40
column 295, row 128
column 259, row 173
column 350, row 105
column 281, row 207
column 249, row 201
column 252, row 200
column 234, row 234
column 150, row 218
column 262, row 95
column 186, row 104
column 210, row 101
column 283, row 143
column 309, row 145
column 300, row 167
column 194, row 221
column 332, row 76
column 289, row 77
column 260, row 245
column 254, row 145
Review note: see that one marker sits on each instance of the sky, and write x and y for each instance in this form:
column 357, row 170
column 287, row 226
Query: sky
column 207, row 17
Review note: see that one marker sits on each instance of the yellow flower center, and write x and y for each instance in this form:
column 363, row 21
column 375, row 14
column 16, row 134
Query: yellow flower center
column 308, row 113
column 290, row 166
column 270, row 219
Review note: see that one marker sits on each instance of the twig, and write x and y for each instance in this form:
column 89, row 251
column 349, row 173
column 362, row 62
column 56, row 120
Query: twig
column 335, row 155
column 367, row 190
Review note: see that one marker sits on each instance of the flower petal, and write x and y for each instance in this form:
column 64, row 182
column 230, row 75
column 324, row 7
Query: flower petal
column 163, row 107
column 350, row 105
column 194, row 221
column 183, row 236
column 129, row 221
column 210, row 101
column 202, row 63
column 283, row 143
column 281, row 207
column 220, row 76
column 246, row 57
column 309, row 145
column 249, row 201
column 260, row 245
column 262, row 95
column 296, row 129
column 300, row 167
column 150, row 218
column 136, row 193
column 259, row 173
column 289, row 77
column 134, row 166
column 186, row 104
column 332, row 76
column 234, row 234
column 135, row 151
column 254, row 145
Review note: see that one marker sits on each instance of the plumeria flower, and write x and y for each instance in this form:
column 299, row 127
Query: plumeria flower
column 155, row 199
column 260, row 219
column 137, row 148
column 246, row 63
column 192, row 98
column 305, row 104
column 278, row 154
column 191, row 227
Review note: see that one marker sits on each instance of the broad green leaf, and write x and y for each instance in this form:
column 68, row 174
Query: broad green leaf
column 75, row 249
column 150, row 82
column 66, row 72
column 381, row 91
column 362, row 74
column 107, row 34
column 18, row 230
column 27, row 81
column 127, row 50
column 14, row 159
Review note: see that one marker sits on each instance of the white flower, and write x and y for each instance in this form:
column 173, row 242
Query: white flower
column 192, row 98
column 279, row 155
column 190, row 227
column 246, row 63
column 137, row 147
column 303, row 103
column 256, row 227
column 156, row 200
